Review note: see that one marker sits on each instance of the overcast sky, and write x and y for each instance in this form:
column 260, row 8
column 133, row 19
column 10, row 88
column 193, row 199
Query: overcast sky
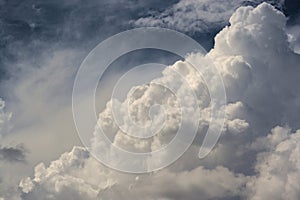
column 254, row 45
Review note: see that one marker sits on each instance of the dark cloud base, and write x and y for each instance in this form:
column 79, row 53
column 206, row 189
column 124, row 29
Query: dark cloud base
column 13, row 154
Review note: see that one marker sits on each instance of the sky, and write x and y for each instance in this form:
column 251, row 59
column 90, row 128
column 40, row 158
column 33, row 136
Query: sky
column 255, row 47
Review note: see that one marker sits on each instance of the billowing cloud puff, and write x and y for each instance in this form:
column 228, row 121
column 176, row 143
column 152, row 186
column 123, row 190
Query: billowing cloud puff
column 76, row 175
column 66, row 178
column 197, row 15
column 168, row 91
column 260, row 74
column 259, row 68
column 278, row 166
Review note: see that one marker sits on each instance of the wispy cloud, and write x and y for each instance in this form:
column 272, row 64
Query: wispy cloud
column 204, row 16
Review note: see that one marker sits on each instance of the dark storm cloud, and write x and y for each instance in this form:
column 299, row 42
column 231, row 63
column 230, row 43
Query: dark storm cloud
column 13, row 154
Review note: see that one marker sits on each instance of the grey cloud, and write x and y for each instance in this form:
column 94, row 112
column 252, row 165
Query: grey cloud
column 198, row 15
column 13, row 154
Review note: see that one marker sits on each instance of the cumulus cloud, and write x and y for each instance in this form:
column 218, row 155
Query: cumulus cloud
column 252, row 76
column 260, row 74
column 65, row 178
column 278, row 166
column 139, row 103
column 76, row 174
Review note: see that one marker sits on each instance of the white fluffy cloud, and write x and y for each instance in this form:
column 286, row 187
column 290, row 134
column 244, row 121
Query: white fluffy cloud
column 66, row 178
column 76, row 175
column 261, row 75
column 278, row 166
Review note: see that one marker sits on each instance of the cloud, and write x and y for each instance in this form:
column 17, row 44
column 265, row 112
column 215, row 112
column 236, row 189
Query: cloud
column 75, row 174
column 4, row 119
column 40, row 115
column 252, row 55
column 42, row 47
column 76, row 23
column 62, row 180
column 294, row 37
column 202, row 16
column 278, row 166
column 260, row 74
column 13, row 154
column 252, row 76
